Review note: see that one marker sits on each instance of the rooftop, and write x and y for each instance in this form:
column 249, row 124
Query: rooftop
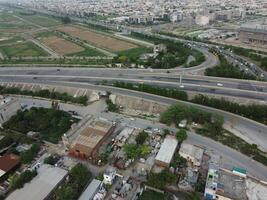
column 231, row 185
column 102, row 125
column 90, row 190
column 192, row 150
column 167, row 149
column 8, row 162
column 90, row 137
column 40, row 187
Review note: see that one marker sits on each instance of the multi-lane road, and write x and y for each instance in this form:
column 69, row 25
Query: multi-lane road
column 250, row 90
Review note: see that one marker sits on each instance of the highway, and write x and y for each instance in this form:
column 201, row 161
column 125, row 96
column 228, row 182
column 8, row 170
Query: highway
column 250, row 90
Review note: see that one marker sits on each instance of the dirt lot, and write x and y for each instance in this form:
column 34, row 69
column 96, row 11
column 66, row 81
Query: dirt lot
column 61, row 46
column 97, row 39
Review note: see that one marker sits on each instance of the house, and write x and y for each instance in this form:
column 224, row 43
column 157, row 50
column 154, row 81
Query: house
column 166, row 151
column 109, row 175
column 8, row 163
column 192, row 153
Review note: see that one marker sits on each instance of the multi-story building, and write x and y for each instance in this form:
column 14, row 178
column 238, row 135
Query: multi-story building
column 255, row 34
column 8, row 108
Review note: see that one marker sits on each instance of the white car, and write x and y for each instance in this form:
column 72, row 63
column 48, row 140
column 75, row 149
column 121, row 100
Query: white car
column 219, row 84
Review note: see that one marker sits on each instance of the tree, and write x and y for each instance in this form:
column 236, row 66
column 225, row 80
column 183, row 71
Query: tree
column 181, row 135
column 131, row 151
column 178, row 161
column 65, row 20
column 65, row 193
column 144, row 150
column 142, row 136
column 161, row 180
column 51, row 160
column 80, row 175
column 19, row 181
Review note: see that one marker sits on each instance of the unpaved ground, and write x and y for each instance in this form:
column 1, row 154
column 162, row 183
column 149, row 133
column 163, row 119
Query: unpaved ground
column 61, row 46
column 97, row 39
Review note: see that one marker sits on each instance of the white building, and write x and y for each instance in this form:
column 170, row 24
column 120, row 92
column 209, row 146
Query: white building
column 91, row 190
column 167, row 151
column 40, row 186
column 8, row 108
column 109, row 175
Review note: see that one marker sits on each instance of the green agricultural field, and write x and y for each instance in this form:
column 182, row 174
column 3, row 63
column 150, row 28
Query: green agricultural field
column 23, row 49
column 11, row 40
column 41, row 20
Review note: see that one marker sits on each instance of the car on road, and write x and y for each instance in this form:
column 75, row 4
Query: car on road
column 219, row 84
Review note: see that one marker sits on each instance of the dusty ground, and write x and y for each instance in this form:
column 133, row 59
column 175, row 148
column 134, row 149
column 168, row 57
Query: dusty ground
column 61, row 46
column 97, row 39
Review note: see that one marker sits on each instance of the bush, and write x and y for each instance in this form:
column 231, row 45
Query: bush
column 19, row 181
column 111, row 106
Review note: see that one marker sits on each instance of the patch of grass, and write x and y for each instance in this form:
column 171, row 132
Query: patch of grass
column 23, row 49
column 149, row 195
column 89, row 52
column 134, row 53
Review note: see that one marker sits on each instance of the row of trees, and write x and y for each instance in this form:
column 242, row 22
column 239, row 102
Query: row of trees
column 167, row 92
column 254, row 112
column 225, row 69
column 45, row 94
column 50, row 123
column 79, row 177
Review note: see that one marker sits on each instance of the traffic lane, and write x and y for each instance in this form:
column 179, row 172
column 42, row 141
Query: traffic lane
column 135, row 73
column 220, row 90
column 203, row 89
